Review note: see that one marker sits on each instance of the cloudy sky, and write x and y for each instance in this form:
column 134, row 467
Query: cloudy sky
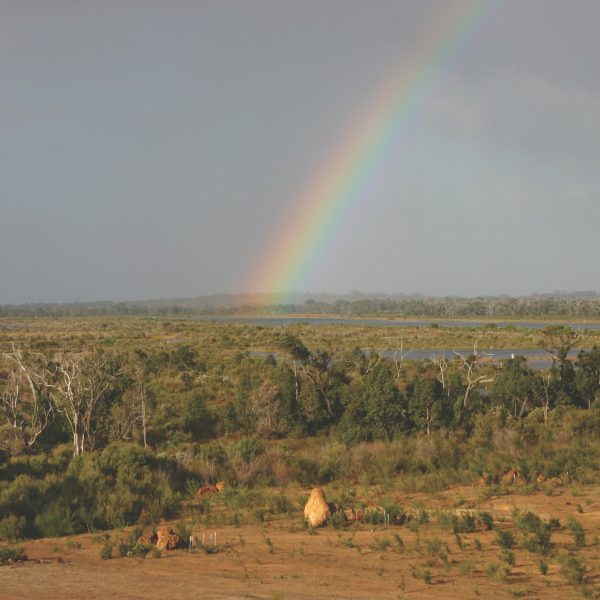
column 156, row 148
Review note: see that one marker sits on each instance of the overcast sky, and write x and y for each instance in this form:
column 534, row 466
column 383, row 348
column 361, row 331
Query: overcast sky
column 151, row 148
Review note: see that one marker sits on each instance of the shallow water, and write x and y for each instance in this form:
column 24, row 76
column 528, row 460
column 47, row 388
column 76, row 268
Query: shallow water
column 379, row 322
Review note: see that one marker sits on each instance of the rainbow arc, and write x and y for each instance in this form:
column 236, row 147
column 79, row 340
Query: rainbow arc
column 342, row 184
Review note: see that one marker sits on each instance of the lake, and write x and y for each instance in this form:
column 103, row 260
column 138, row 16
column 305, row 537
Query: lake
column 379, row 322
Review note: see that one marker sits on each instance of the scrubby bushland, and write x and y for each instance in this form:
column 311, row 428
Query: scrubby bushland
column 94, row 438
column 115, row 487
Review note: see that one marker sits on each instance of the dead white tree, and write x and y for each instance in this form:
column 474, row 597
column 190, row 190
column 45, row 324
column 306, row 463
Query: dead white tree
column 143, row 396
column 469, row 367
column 543, row 394
column 372, row 361
column 23, row 400
column 441, row 363
column 400, row 356
column 77, row 386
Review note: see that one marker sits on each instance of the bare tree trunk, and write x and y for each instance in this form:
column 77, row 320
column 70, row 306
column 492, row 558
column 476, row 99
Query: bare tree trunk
column 403, row 355
column 143, row 405
column 30, row 418
column 469, row 369
column 442, row 365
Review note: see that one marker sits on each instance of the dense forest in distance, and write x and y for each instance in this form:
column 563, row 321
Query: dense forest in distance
column 577, row 305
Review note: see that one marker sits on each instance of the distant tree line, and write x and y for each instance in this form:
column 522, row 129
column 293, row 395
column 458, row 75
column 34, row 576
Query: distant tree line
column 486, row 307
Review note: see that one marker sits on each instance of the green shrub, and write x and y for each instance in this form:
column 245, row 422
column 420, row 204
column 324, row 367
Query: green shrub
column 458, row 523
column 537, row 533
column 573, row 569
column 437, row 549
column 486, row 520
column 106, row 552
column 9, row 554
column 183, row 529
column 56, row 522
column 129, row 548
column 337, row 520
column 577, row 531
column 13, row 528
column 505, row 539
column 380, row 544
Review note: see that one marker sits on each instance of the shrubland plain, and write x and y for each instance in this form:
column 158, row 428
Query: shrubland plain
column 457, row 476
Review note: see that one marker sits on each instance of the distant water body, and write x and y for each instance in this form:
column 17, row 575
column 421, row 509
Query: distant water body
column 378, row 322
column 535, row 356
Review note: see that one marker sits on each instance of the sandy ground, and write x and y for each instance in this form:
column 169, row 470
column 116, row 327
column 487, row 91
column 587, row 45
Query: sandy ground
column 279, row 560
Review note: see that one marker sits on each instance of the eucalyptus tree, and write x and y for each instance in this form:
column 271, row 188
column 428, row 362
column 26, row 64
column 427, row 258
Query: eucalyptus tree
column 428, row 405
column 24, row 398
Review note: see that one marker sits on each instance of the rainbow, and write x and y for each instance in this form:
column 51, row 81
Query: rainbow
column 345, row 180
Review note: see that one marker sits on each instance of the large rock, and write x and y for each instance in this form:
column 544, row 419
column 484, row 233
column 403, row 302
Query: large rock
column 168, row 542
column 149, row 539
column 208, row 490
column 316, row 511
column 164, row 531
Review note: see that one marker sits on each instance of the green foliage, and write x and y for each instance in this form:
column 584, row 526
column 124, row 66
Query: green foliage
column 385, row 406
column 337, row 520
column 573, row 568
column 486, row 519
column 457, row 523
column 106, row 552
column 199, row 420
column 577, row 531
column 380, row 543
column 422, row 574
column 133, row 547
column 437, row 549
column 505, row 539
column 537, row 533
column 56, row 521
column 428, row 404
column 13, row 528
column 9, row 554
column 513, row 389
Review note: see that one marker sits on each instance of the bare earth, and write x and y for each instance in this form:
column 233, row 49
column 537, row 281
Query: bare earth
column 280, row 560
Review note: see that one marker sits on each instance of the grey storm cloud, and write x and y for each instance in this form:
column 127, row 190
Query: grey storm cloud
column 153, row 149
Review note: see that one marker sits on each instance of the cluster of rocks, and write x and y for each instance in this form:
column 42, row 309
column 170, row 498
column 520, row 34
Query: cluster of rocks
column 513, row 475
column 164, row 538
column 208, row 490
column 317, row 511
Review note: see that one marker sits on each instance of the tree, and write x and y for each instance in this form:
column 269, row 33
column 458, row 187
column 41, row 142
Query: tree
column 198, row 419
column 514, row 389
column 428, row 404
column 558, row 341
column 588, row 375
column 24, row 399
column 472, row 374
column 81, row 387
column 384, row 405
column 267, row 407
column 293, row 346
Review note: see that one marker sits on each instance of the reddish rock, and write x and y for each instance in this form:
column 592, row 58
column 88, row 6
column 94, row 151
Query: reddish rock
column 169, row 542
